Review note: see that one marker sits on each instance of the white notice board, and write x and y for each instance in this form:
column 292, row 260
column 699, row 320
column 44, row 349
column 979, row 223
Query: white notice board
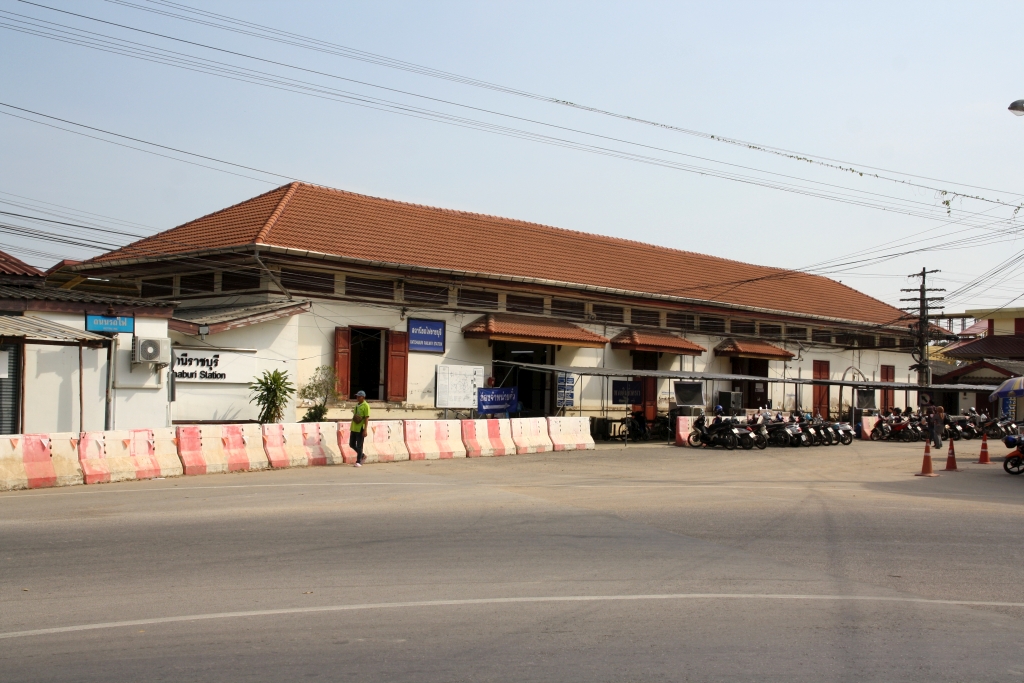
column 457, row 385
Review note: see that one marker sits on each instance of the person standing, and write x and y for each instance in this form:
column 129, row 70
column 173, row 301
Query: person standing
column 360, row 427
column 938, row 424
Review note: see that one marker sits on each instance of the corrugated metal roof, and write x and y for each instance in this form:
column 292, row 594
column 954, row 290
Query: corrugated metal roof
column 31, row 329
column 52, row 294
column 9, row 265
column 209, row 315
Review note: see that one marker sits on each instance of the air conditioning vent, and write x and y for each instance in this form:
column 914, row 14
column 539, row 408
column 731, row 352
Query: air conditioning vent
column 151, row 350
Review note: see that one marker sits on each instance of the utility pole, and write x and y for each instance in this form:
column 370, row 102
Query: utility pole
column 924, row 303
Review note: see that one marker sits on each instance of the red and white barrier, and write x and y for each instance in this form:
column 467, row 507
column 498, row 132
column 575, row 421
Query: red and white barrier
column 26, row 463
column 64, row 458
column 286, row 445
column 434, row 439
column 487, row 437
column 201, row 448
column 118, row 455
column 385, row 442
column 570, row 434
column 165, row 450
column 344, row 430
column 332, row 446
column 684, row 425
column 243, row 447
column 867, row 423
column 530, row 435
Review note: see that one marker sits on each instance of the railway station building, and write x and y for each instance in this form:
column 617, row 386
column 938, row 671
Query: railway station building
column 398, row 297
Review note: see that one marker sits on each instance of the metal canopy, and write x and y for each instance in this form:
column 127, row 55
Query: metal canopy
column 41, row 331
column 713, row 376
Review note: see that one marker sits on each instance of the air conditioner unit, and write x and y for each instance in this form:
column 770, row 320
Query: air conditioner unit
column 151, row 350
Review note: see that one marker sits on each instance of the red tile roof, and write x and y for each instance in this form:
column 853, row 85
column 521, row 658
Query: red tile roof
column 643, row 340
column 322, row 220
column 751, row 349
column 505, row 327
column 10, row 265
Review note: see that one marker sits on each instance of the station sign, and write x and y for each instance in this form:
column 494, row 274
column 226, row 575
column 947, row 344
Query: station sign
column 627, row 392
column 214, row 366
column 426, row 336
column 110, row 323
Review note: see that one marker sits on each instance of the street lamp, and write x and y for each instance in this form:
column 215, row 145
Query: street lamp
column 1017, row 108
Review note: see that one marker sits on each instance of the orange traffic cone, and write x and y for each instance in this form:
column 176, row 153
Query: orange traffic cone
column 951, row 459
column 983, row 456
column 926, row 466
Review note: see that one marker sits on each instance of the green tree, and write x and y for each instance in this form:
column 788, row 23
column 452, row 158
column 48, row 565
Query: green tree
column 320, row 389
column 271, row 393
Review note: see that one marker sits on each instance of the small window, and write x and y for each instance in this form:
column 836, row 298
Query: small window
column 194, row 284
column 771, row 331
column 608, row 314
column 474, row 298
column 524, row 304
column 845, row 339
column 887, row 342
column 307, row 280
column 796, row 332
column 681, row 321
column 641, row 317
column 426, row 294
column 369, row 288
column 567, row 308
column 234, row 280
column 712, row 325
column 742, row 327
column 162, row 287
column 866, row 341
column 822, row 336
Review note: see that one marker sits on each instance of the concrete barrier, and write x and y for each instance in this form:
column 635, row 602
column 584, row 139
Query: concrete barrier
column 684, row 425
column 201, row 448
column 344, row 430
column 530, row 435
column 165, row 448
column 487, row 437
column 121, row 455
column 64, row 457
column 243, row 447
column 868, row 423
column 26, row 463
column 313, row 441
column 434, row 439
column 330, row 441
column 385, row 442
column 570, row 434
column 285, row 445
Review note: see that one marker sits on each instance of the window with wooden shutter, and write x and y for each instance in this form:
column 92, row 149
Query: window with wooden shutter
column 342, row 364
column 398, row 365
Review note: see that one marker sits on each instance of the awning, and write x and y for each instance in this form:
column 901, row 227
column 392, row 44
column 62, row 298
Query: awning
column 714, row 376
column 214, row 319
column 33, row 330
column 1010, row 347
column 980, row 327
column 642, row 340
column 524, row 328
column 751, row 349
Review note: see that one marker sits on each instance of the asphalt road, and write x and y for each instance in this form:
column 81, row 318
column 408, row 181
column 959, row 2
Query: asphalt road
column 637, row 564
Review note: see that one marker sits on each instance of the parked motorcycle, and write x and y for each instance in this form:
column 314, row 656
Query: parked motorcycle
column 719, row 434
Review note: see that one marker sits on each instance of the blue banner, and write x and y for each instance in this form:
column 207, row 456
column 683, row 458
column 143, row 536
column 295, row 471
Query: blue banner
column 498, row 400
column 426, row 335
column 110, row 323
column 625, row 392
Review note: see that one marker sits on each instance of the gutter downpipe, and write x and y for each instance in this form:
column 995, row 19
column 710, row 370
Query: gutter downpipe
column 108, row 415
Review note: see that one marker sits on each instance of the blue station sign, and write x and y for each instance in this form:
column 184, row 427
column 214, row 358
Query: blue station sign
column 110, row 323
column 497, row 400
column 627, row 392
column 427, row 336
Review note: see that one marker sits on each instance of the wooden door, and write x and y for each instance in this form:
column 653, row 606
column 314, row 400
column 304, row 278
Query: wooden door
column 888, row 395
column 342, row 363
column 821, row 393
column 397, row 384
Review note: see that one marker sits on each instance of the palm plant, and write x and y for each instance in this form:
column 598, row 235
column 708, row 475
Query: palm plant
column 271, row 393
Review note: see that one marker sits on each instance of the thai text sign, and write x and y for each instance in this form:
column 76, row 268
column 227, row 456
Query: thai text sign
column 110, row 323
column 566, row 392
column 625, row 392
column 497, row 400
column 426, row 335
column 214, row 366
column 457, row 385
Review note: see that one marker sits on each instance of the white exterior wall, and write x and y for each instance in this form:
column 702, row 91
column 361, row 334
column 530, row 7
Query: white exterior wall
column 52, row 383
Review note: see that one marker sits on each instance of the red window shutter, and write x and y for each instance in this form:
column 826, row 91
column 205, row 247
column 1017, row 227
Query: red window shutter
column 991, row 327
column 1018, row 326
column 342, row 365
column 398, row 365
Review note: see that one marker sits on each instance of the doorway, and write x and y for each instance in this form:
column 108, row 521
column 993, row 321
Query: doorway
column 535, row 388
column 755, row 394
column 10, row 389
column 821, row 393
column 647, row 360
column 367, row 363
column 888, row 395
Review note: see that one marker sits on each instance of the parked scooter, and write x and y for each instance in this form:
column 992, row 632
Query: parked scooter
column 719, row 433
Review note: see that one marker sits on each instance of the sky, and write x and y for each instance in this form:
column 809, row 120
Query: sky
column 918, row 89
